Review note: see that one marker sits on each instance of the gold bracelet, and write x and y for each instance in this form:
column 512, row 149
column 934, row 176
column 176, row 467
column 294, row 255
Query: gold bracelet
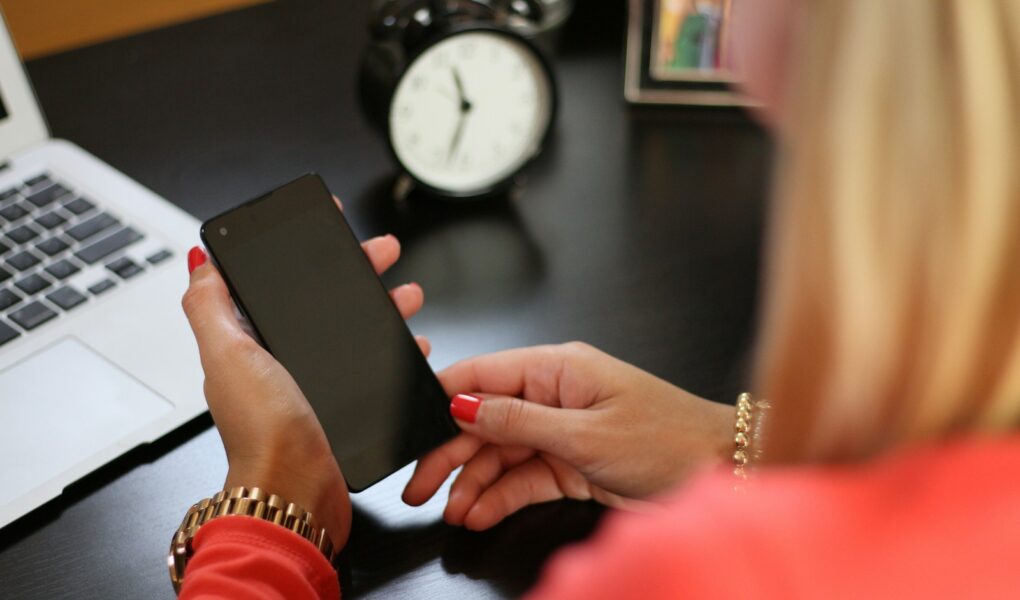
column 251, row 502
column 747, row 434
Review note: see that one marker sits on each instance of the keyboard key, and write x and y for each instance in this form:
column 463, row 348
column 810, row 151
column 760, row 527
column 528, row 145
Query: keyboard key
column 8, row 193
column 22, row 234
column 23, row 260
column 5, row 275
column 108, row 245
column 79, row 206
column 38, row 180
column 101, row 287
column 8, row 298
column 13, row 212
column 4, row 248
column 66, row 297
column 62, row 269
column 32, row 315
column 155, row 259
column 125, row 267
column 51, row 220
column 33, row 284
column 86, row 229
column 46, row 196
column 52, row 246
column 7, row 333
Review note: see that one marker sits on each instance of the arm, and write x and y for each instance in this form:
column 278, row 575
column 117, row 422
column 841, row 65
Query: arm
column 268, row 429
column 569, row 421
column 242, row 557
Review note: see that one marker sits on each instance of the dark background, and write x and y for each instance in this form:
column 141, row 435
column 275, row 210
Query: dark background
column 638, row 231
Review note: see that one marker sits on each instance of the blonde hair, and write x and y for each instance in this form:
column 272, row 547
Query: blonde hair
column 892, row 303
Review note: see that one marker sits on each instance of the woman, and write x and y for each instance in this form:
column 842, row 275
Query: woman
column 889, row 350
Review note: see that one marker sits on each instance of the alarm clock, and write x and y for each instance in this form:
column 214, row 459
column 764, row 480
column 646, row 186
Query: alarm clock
column 464, row 99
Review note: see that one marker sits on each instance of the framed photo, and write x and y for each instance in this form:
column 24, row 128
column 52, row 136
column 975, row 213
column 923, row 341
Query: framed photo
column 678, row 53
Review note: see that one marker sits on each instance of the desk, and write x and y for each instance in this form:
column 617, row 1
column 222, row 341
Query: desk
column 637, row 232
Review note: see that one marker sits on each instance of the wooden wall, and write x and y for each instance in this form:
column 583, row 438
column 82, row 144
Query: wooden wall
column 42, row 27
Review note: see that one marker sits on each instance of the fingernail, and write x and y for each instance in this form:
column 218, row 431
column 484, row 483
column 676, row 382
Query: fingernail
column 196, row 258
column 464, row 407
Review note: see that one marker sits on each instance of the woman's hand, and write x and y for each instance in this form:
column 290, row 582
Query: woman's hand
column 566, row 421
column 272, row 438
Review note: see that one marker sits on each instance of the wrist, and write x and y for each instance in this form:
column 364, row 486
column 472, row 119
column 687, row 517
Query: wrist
column 713, row 425
column 318, row 487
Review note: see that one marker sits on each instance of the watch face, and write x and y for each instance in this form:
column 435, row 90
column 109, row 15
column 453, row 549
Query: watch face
column 470, row 111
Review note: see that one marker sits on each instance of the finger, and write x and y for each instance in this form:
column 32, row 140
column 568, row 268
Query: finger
column 497, row 373
column 210, row 310
column 433, row 468
column 409, row 299
column 544, row 371
column 510, row 421
column 531, row 482
column 382, row 252
column 339, row 204
column 484, row 469
column 424, row 344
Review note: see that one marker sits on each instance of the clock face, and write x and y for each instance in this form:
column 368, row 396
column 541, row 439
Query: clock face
column 470, row 111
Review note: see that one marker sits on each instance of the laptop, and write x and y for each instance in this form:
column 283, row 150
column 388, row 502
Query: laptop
column 96, row 356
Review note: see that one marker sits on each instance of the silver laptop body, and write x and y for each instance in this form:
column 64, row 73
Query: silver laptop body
column 96, row 357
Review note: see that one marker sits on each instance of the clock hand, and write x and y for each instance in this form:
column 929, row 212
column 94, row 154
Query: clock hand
column 465, row 104
column 465, row 109
column 457, row 135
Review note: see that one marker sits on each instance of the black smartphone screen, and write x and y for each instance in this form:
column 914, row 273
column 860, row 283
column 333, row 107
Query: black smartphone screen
column 299, row 274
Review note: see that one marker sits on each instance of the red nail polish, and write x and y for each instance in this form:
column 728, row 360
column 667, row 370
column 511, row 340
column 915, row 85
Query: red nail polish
column 196, row 258
column 464, row 407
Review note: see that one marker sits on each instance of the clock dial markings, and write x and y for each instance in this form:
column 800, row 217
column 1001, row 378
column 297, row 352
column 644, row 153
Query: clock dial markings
column 441, row 60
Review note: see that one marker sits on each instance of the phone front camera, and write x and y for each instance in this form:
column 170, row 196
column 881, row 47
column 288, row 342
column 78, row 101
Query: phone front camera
column 223, row 231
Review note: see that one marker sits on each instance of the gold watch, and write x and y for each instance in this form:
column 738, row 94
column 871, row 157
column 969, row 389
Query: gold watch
column 251, row 502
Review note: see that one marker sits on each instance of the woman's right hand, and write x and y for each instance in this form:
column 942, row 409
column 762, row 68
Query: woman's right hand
column 565, row 421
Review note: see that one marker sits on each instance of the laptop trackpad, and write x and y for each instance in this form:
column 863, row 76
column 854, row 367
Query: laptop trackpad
column 62, row 405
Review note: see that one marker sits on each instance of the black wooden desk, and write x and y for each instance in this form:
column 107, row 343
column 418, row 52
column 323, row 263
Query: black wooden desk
column 638, row 232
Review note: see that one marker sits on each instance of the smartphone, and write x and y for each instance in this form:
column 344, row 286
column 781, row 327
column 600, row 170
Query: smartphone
column 299, row 275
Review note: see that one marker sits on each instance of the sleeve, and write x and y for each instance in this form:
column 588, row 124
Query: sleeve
column 685, row 548
column 243, row 557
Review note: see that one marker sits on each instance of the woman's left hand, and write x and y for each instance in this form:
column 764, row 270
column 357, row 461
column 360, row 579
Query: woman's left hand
column 271, row 435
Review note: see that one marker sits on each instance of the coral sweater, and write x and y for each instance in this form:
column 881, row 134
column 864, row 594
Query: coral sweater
column 934, row 522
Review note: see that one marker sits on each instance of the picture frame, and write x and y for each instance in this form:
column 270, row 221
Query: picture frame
column 678, row 53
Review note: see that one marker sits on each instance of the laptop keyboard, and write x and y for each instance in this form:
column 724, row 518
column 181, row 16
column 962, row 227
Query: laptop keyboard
column 49, row 234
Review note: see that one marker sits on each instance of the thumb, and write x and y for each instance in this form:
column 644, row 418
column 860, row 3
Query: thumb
column 510, row 421
column 208, row 306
